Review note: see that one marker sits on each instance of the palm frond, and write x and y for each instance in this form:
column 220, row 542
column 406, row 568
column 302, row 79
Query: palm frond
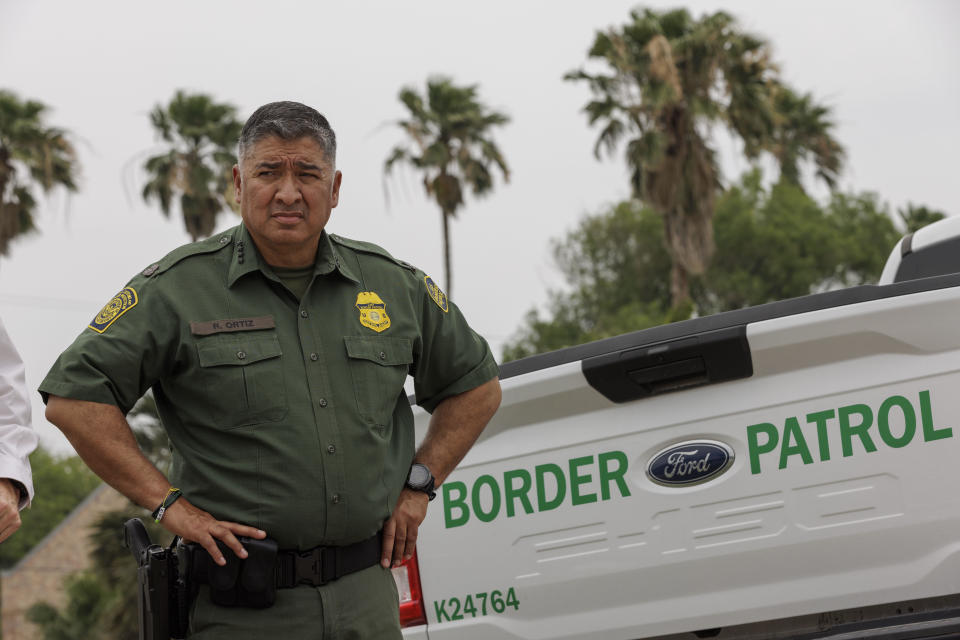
column 197, row 166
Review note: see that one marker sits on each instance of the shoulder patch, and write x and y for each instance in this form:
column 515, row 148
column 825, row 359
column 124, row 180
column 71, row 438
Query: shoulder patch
column 438, row 296
column 371, row 249
column 111, row 312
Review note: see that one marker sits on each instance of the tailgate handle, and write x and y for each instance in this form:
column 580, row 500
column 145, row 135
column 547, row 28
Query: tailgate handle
column 648, row 370
column 670, row 377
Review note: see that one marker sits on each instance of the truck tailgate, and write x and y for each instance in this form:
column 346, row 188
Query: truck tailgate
column 841, row 490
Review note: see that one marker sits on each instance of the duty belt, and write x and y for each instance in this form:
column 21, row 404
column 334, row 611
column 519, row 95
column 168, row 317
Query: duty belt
column 317, row 566
column 321, row 565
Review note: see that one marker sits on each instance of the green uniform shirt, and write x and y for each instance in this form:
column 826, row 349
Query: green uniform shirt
column 288, row 416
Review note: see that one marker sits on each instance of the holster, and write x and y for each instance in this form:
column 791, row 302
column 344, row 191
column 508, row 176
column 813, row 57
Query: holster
column 163, row 598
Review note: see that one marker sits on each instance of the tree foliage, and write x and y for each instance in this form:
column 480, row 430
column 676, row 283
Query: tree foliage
column 60, row 484
column 87, row 597
column 31, row 154
column 199, row 135
column 667, row 80
column 803, row 132
column 772, row 243
column 451, row 144
column 915, row 217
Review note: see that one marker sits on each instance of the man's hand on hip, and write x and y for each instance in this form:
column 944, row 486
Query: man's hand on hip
column 9, row 508
column 400, row 529
column 196, row 525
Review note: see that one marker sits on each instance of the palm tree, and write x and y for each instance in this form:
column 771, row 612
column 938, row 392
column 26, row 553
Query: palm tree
column 450, row 140
column 43, row 153
column 668, row 80
column 803, row 131
column 197, row 163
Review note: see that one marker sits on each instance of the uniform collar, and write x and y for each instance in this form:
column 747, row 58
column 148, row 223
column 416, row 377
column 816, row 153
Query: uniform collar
column 246, row 259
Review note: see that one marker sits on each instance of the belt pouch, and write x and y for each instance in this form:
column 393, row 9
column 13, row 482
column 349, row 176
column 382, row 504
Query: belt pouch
column 223, row 580
column 258, row 577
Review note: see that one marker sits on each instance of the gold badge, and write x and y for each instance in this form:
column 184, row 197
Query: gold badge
column 373, row 311
column 438, row 296
column 121, row 303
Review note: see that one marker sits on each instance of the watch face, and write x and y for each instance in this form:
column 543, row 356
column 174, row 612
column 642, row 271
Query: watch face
column 419, row 476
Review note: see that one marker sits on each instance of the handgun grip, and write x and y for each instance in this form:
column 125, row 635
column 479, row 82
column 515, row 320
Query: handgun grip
column 136, row 538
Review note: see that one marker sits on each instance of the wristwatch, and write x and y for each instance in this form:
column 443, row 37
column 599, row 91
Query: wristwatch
column 420, row 479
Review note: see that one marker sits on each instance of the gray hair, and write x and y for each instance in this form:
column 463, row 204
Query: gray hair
column 288, row 121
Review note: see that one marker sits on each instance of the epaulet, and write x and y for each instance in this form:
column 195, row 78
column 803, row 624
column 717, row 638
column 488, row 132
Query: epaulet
column 371, row 249
column 216, row 242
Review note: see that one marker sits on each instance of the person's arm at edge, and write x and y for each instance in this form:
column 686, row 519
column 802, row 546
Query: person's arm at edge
column 17, row 438
column 103, row 439
column 455, row 425
column 9, row 508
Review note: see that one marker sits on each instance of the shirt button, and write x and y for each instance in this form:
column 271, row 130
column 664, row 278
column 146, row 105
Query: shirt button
column 323, row 402
column 241, row 354
column 331, row 449
column 303, row 313
column 224, row 239
column 336, row 498
column 314, row 357
column 383, row 356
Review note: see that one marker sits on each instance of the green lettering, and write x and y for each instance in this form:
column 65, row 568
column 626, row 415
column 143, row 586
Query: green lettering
column 792, row 431
column 754, row 446
column 485, row 516
column 541, row 470
column 440, row 608
column 909, row 422
column 468, row 607
column 483, row 597
column 576, row 480
column 450, row 503
column 511, row 493
column 607, row 475
column 847, row 430
column 926, row 416
column 820, row 418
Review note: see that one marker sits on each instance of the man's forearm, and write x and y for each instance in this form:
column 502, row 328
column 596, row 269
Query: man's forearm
column 103, row 439
column 105, row 442
column 455, row 425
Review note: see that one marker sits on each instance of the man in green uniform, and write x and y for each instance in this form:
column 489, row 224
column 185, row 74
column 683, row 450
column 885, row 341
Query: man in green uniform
column 277, row 354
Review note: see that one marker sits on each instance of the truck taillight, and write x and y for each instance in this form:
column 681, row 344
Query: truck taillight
column 407, row 577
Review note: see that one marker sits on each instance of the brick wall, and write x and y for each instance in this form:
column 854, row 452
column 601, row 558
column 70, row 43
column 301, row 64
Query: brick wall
column 39, row 575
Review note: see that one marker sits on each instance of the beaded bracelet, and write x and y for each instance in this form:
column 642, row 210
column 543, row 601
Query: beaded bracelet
column 172, row 495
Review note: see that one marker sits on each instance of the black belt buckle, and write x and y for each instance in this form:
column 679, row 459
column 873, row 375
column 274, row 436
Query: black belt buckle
column 318, row 566
column 307, row 566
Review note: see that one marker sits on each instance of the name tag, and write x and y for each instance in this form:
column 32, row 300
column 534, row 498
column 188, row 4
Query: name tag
column 234, row 324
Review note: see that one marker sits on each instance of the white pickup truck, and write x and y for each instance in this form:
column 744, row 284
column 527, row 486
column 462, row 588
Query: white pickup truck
column 790, row 470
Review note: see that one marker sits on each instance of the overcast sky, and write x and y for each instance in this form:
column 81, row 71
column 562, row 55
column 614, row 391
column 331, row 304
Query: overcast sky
column 889, row 70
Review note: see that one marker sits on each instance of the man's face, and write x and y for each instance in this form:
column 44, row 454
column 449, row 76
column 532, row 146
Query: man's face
column 286, row 190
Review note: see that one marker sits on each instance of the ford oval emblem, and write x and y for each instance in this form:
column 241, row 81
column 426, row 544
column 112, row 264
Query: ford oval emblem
column 689, row 463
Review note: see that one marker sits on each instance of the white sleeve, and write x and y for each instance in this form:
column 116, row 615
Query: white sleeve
column 17, row 438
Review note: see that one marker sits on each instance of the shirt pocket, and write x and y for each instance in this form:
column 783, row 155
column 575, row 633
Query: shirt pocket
column 243, row 379
column 378, row 366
